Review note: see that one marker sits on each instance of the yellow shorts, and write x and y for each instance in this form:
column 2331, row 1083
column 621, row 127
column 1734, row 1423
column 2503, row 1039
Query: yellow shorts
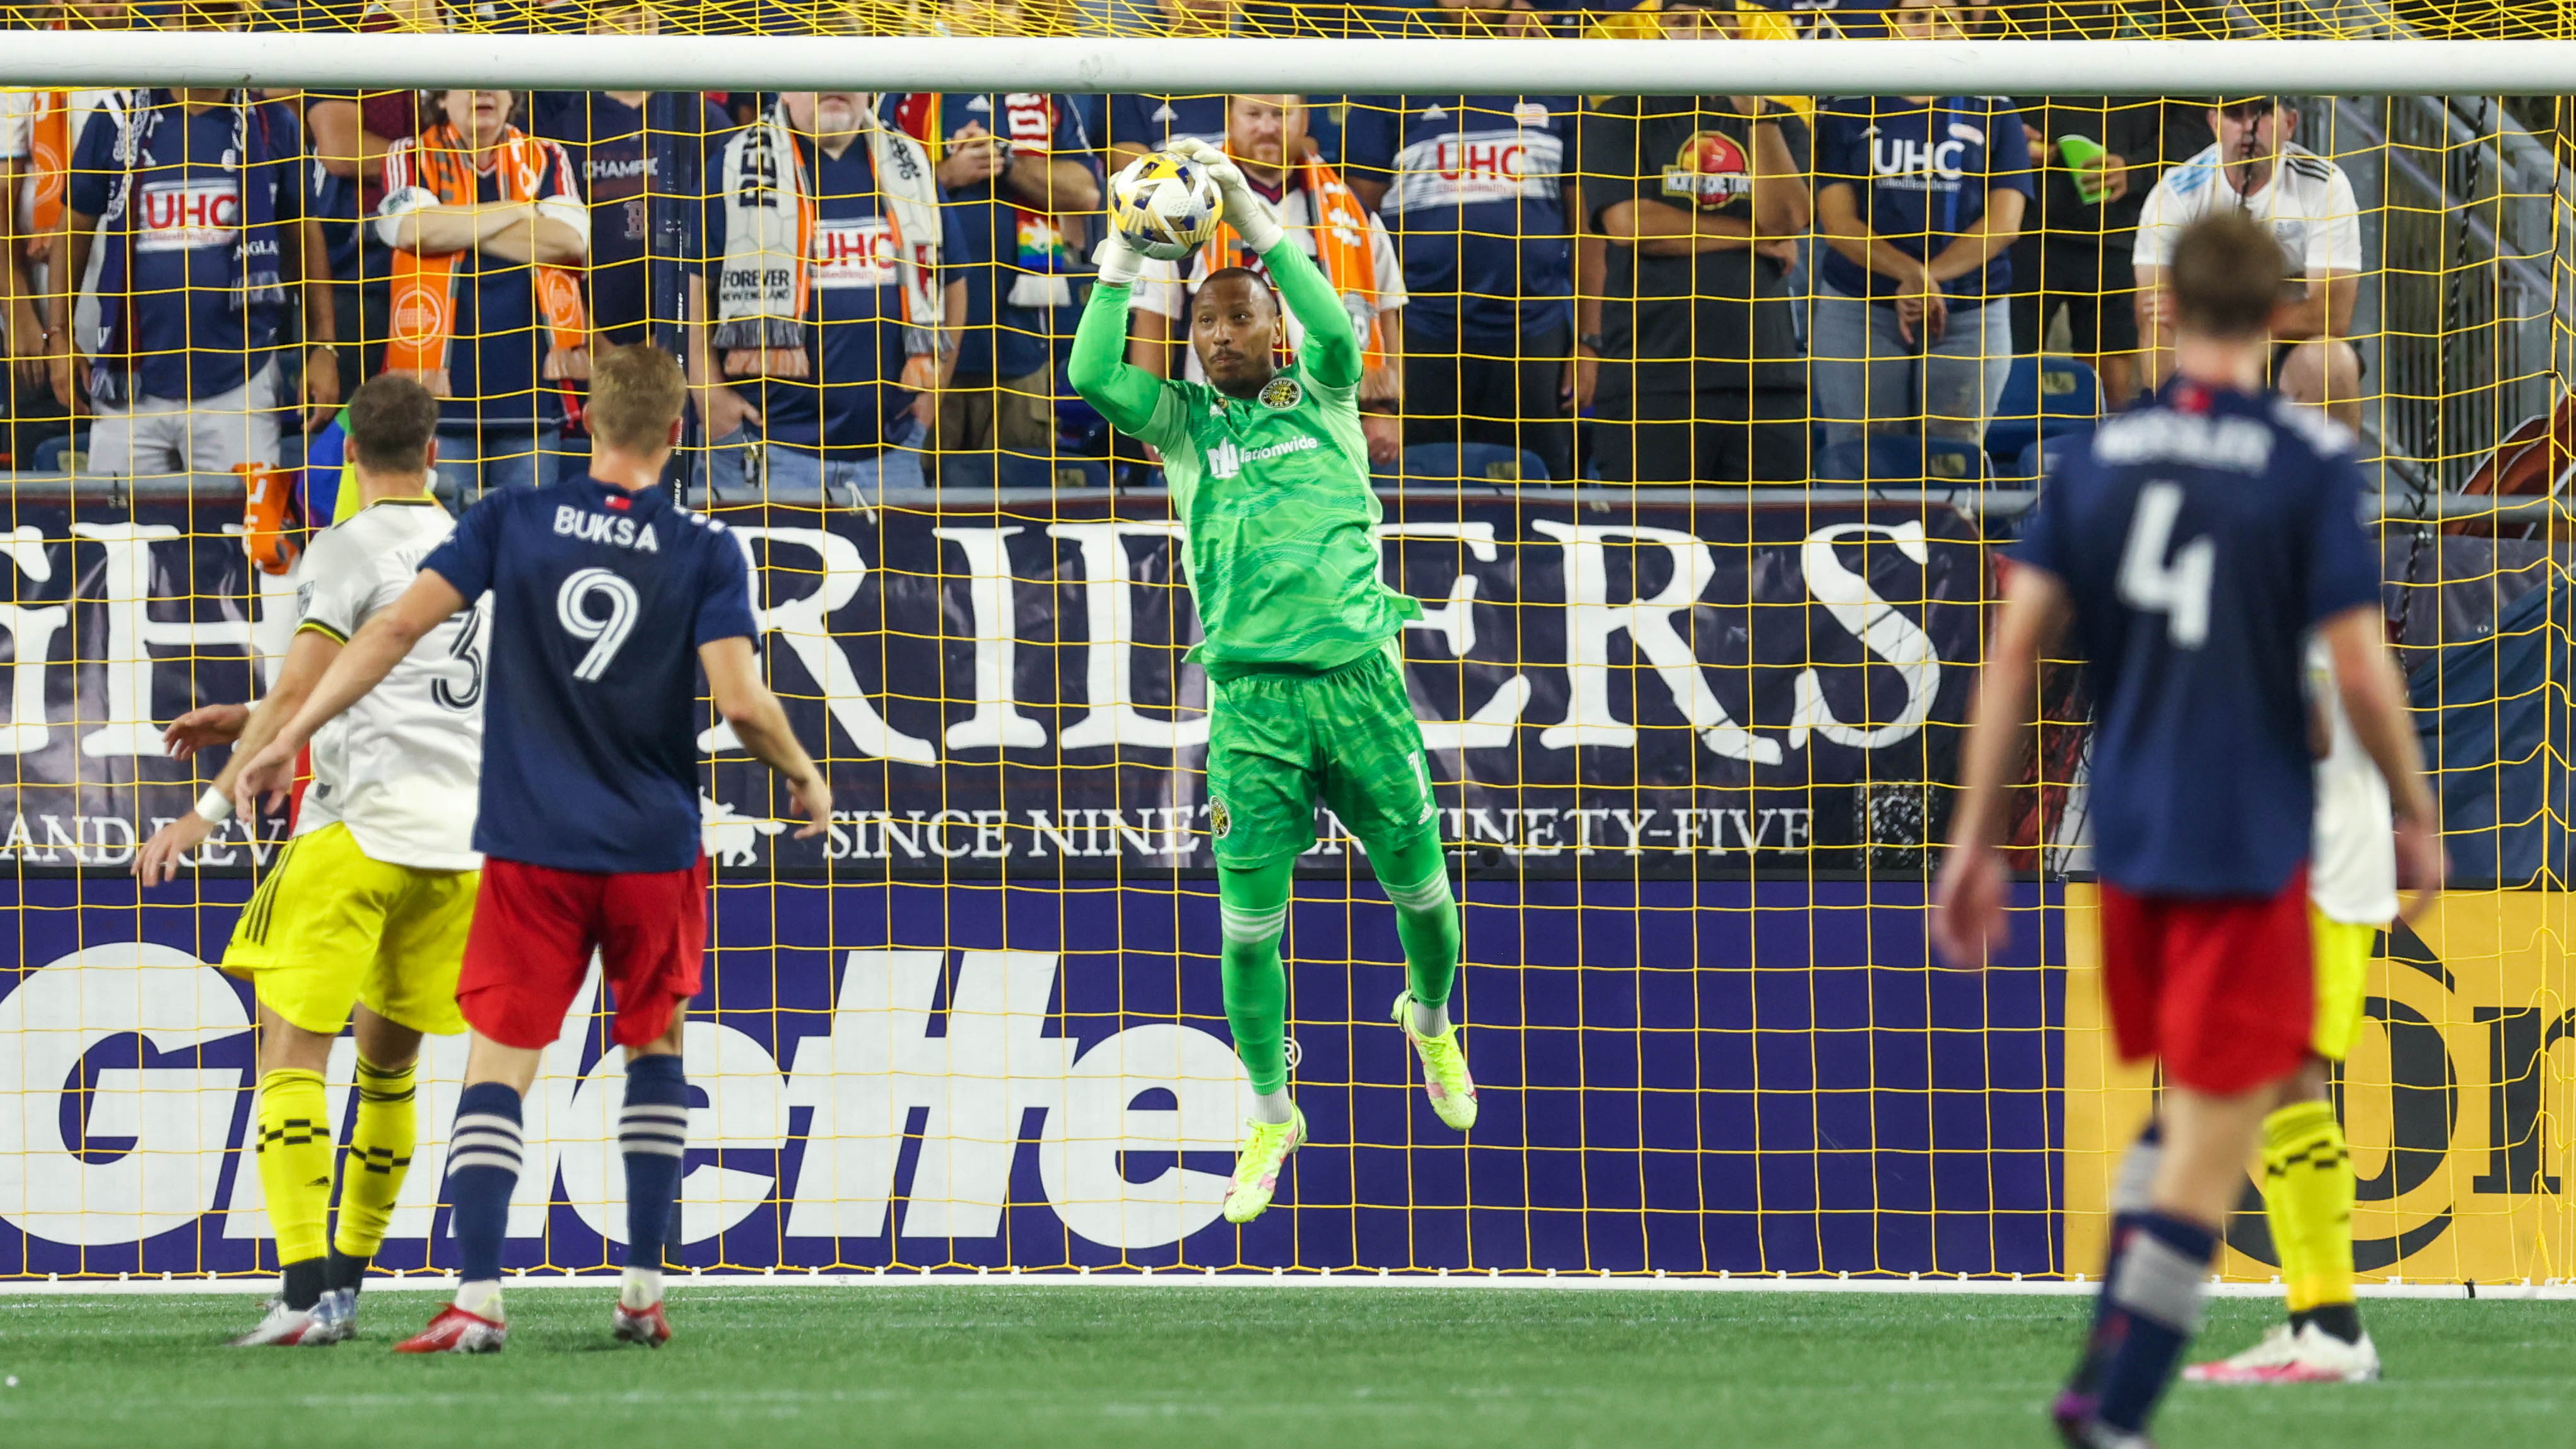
column 2342, row 952
column 331, row 926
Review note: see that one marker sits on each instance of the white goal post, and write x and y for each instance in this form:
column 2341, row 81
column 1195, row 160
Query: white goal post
column 1086, row 64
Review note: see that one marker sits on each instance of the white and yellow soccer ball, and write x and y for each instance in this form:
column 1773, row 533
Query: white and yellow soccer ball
column 1166, row 206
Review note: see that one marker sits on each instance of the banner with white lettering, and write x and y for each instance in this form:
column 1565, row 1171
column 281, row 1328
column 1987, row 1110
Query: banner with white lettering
column 1617, row 688
column 1772, row 1079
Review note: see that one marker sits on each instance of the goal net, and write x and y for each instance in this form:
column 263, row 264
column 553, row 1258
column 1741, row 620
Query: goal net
column 1697, row 418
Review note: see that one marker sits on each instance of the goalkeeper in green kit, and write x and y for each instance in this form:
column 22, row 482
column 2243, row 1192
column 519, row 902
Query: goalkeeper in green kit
column 1270, row 474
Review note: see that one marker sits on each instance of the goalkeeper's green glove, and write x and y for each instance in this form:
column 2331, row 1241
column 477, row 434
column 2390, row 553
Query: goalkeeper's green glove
column 1252, row 218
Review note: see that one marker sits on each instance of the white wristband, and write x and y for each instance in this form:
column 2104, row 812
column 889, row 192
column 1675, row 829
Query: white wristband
column 214, row 807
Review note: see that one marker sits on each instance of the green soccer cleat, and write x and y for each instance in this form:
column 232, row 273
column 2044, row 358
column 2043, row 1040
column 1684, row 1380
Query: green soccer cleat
column 1256, row 1166
column 1444, row 1068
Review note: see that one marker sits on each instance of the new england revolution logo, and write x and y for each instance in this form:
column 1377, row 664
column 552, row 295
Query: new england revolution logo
column 1282, row 393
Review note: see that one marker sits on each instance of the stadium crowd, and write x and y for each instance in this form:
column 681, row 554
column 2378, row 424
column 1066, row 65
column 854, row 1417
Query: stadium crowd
column 878, row 291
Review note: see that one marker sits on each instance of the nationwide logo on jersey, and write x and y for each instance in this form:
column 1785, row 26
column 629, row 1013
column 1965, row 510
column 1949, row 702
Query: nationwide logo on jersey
column 180, row 216
column 860, row 253
column 1711, row 171
column 1282, row 393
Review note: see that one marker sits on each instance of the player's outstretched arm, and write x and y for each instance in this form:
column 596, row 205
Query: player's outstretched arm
column 368, row 658
column 308, row 658
column 2375, row 701
column 1330, row 348
column 1101, row 375
column 1968, row 916
column 733, row 677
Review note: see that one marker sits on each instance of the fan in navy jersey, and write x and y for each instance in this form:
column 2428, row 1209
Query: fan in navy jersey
column 606, row 601
column 834, row 311
column 2190, row 551
column 1015, row 169
column 1476, row 192
column 604, row 134
column 1137, row 126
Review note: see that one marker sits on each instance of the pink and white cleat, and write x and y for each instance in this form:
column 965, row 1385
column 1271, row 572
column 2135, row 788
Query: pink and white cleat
column 646, row 1326
column 456, row 1331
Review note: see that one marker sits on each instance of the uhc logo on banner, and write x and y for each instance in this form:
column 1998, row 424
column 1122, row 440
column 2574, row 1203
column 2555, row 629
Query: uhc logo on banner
column 178, row 216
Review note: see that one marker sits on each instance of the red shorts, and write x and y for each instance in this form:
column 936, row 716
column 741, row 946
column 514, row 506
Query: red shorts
column 2223, row 988
column 534, row 930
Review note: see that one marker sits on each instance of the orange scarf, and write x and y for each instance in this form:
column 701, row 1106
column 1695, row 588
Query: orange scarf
column 1342, row 249
column 50, row 163
column 424, row 291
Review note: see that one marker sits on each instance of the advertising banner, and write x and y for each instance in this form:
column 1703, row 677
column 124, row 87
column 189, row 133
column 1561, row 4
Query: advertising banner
column 1629, row 688
column 1689, row 1078
column 2455, row 1100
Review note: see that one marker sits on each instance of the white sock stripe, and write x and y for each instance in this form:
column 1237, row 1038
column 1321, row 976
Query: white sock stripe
column 657, row 1110
column 459, row 1161
column 1429, row 896
column 2158, row 1283
column 485, row 1137
column 659, row 1132
column 652, row 1146
column 1251, row 928
column 489, row 1122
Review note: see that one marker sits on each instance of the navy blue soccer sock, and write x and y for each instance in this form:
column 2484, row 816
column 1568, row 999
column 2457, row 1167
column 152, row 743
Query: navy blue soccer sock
column 2131, row 1197
column 2153, row 1306
column 652, row 1134
column 482, row 1170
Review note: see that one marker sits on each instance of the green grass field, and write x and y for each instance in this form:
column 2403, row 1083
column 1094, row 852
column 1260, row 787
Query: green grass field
column 990, row 1366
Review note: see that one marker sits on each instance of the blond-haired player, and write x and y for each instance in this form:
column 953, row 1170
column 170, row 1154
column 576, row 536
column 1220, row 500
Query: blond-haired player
column 365, row 912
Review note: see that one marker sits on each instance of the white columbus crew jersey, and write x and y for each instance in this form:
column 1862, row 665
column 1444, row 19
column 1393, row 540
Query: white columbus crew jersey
column 400, row 766
column 2352, row 866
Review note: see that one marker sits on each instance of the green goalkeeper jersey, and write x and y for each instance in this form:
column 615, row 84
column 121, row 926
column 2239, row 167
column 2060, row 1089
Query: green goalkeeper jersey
column 1274, row 488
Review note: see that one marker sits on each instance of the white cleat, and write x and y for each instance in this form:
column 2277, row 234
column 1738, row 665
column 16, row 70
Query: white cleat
column 2278, row 1349
column 2326, row 1359
column 2309, row 1356
column 285, row 1327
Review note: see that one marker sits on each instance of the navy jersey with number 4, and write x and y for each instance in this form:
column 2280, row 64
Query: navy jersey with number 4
column 2200, row 538
column 600, row 599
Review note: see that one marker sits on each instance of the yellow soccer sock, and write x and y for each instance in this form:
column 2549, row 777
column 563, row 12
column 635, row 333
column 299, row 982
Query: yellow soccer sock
column 380, row 1150
column 2307, row 1197
column 295, row 1160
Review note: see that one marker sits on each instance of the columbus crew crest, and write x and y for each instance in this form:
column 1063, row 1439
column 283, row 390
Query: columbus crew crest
column 1220, row 819
column 1282, row 393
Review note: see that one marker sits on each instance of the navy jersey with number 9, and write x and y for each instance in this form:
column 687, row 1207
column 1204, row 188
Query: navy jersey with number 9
column 2200, row 538
column 600, row 599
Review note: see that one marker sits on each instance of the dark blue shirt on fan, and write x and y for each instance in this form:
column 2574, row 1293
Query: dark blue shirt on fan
column 1920, row 176
column 185, row 215
column 1154, row 122
column 1014, row 247
column 606, row 141
column 854, row 332
column 600, row 599
column 1475, row 204
column 2200, row 537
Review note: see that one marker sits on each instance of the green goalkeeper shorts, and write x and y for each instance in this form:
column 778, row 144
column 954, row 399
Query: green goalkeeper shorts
column 1278, row 741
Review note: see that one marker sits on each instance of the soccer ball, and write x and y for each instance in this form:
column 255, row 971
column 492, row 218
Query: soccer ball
column 1166, row 207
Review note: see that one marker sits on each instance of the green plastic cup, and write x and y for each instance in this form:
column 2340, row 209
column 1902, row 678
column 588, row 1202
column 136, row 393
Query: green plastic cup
column 2079, row 153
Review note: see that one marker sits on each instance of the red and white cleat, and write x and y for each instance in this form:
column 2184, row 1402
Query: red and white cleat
column 456, row 1331
column 285, row 1327
column 646, row 1326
